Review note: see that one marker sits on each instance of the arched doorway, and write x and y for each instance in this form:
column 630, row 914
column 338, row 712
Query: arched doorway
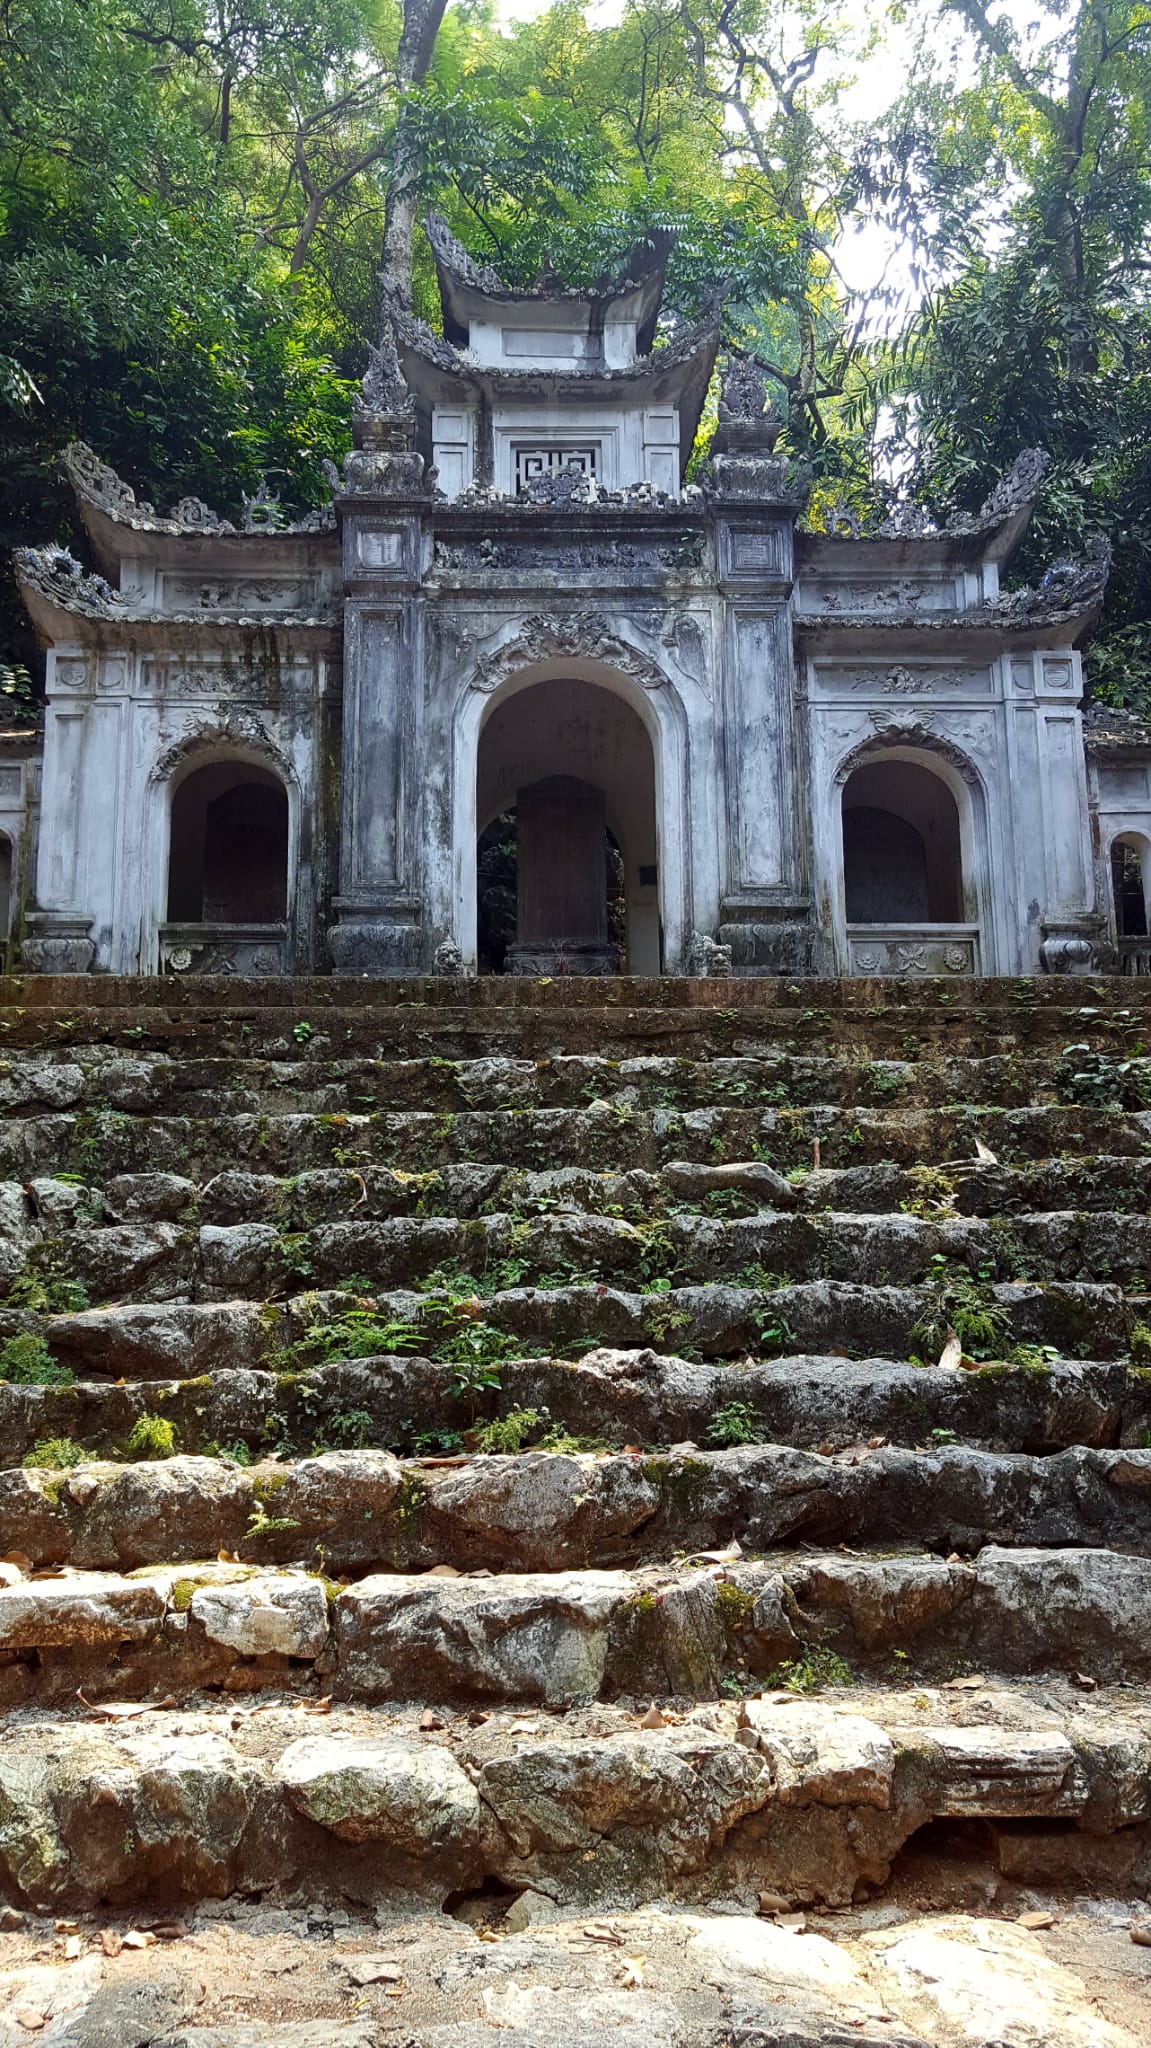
column 566, row 818
column 908, row 897
column 228, row 852
column 1129, row 886
column 6, row 875
column 227, row 889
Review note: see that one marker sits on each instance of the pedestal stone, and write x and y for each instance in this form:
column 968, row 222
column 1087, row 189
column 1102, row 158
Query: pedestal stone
column 561, row 880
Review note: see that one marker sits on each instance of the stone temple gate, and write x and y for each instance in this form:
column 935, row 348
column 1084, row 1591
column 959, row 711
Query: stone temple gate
column 517, row 697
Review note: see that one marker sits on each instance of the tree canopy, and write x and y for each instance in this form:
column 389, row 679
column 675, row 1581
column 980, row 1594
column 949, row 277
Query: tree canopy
column 195, row 196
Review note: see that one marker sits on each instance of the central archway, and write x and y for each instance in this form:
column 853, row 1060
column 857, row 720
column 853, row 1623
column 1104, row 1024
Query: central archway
column 572, row 763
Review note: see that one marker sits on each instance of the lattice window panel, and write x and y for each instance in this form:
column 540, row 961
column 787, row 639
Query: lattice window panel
column 532, row 463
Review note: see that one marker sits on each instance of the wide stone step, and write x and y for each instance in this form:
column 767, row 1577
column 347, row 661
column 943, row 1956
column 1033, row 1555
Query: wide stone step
column 608, row 1398
column 98, row 1145
column 99, row 1077
column 678, row 1190
column 552, row 1638
column 164, row 1261
column 359, row 1511
column 451, row 1321
column 805, row 1798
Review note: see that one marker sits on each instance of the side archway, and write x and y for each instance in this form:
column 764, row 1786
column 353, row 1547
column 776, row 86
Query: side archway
column 1131, row 898
column 226, row 823
column 911, row 883
column 228, row 846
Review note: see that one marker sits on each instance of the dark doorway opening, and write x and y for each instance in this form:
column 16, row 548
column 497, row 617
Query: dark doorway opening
column 228, row 862
column 497, row 894
column 902, row 853
column 1129, row 894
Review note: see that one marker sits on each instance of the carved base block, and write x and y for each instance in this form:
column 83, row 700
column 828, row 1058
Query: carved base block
column 372, row 942
column 571, row 958
column 57, row 945
column 767, row 949
column 1073, row 949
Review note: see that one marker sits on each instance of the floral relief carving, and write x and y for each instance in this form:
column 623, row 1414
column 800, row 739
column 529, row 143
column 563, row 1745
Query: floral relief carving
column 544, row 637
column 920, row 731
column 239, row 730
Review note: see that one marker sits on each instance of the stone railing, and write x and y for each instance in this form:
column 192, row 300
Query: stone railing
column 946, row 949
column 1134, row 955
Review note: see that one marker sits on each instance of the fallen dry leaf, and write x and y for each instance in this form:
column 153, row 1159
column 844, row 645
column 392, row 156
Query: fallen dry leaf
column 67, row 1926
column 124, row 1710
column 478, row 1716
column 1141, row 1933
column 984, row 1156
column 631, row 1975
column 323, row 1706
column 22, row 1562
column 524, row 1728
column 72, row 1948
column 1036, row 1920
column 430, row 1719
column 10, row 1574
column 137, row 1938
column 110, row 1941
column 971, row 1684
column 773, row 1902
column 653, row 1718
column 951, row 1353
column 28, row 2019
column 795, row 1921
column 169, row 1930
column 1084, row 1682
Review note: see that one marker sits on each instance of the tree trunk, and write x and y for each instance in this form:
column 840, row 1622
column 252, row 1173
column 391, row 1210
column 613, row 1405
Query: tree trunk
column 421, row 25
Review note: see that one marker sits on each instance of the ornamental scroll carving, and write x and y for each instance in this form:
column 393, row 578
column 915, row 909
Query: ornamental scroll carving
column 210, row 737
column 546, row 637
column 889, row 731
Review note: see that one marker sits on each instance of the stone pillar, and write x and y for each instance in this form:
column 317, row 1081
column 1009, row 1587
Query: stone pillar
column 766, row 909
column 561, row 880
column 380, row 926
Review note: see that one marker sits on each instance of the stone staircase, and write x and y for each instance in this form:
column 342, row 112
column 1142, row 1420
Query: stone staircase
column 487, row 1445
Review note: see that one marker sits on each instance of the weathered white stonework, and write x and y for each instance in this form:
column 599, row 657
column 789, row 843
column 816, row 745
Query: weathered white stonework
column 275, row 749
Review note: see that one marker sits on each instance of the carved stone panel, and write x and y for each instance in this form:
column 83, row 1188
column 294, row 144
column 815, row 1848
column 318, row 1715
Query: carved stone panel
column 881, row 680
column 913, row 950
column 238, row 593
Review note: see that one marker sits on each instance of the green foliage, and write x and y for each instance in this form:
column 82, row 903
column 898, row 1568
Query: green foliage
column 151, row 1436
column 27, row 1362
column 191, row 211
column 1139, row 1345
column 509, row 1433
column 355, row 1333
column 817, row 1668
column 737, row 1423
column 55, row 1453
column 964, row 1302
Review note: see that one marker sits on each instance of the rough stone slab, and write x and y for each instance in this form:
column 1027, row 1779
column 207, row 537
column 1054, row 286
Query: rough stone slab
column 981, row 1981
column 823, row 1756
column 416, row 1801
column 77, row 1612
column 265, row 1616
column 541, row 1638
